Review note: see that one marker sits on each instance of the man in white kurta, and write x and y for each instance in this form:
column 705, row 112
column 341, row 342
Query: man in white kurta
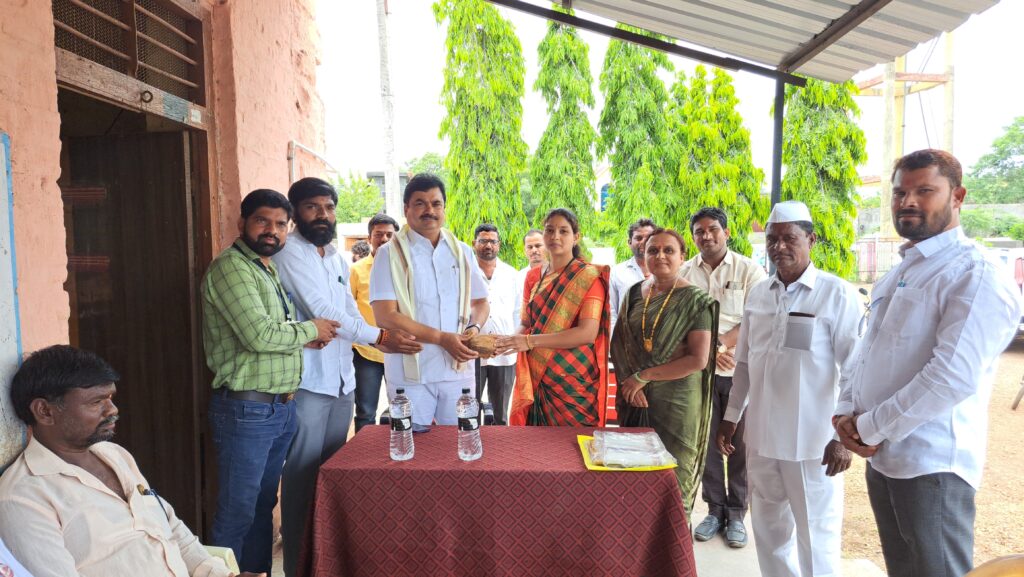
column 446, row 312
column 797, row 338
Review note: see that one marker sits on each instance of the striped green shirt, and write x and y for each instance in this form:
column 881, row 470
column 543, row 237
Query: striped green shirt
column 250, row 344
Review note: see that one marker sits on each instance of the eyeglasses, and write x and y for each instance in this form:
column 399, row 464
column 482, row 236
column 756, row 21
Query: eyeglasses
column 487, row 241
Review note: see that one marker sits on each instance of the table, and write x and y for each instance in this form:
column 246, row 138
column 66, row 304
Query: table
column 528, row 507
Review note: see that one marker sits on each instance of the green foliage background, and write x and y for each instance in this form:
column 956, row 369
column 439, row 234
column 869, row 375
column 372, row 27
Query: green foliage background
column 562, row 170
column 998, row 177
column 483, row 89
column 822, row 147
column 358, row 198
column 715, row 164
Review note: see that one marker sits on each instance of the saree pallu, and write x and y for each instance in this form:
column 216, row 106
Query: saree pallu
column 679, row 410
column 564, row 387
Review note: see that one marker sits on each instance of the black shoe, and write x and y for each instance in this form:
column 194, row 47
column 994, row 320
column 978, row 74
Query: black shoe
column 708, row 528
column 736, row 534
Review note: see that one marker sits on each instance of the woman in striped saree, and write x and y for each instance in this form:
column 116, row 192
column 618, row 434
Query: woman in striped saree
column 562, row 370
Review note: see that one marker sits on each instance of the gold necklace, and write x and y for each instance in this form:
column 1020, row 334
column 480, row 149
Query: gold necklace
column 649, row 340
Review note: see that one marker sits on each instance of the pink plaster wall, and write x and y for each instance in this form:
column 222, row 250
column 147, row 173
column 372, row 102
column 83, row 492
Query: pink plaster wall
column 28, row 112
column 265, row 54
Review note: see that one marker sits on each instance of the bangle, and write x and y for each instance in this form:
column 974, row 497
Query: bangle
column 383, row 338
column 640, row 379
column 529, row 344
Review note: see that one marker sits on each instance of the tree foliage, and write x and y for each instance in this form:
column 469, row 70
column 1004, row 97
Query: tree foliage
column 822, row 147
column 985, row 222
column 431, row 162
column 562, row 170
column 998, row 177
column 358, row 198
column 634, row 136
column 484, row 78
column 715, row 163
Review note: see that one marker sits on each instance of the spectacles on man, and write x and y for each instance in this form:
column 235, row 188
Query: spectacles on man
column 487, row 241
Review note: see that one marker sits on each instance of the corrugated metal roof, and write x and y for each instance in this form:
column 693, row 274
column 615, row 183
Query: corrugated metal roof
column 772, row 32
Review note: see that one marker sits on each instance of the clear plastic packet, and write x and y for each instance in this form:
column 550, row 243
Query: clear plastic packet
column 628, row 450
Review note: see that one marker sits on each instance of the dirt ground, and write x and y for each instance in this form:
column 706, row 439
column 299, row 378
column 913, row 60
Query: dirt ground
column 999, row 529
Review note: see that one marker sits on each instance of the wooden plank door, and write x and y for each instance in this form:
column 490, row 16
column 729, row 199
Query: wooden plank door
column 131, row 280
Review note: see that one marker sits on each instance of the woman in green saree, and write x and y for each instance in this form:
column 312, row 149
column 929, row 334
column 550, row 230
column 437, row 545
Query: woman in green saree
column 664, row 360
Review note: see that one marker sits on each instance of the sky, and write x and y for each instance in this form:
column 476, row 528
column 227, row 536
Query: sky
column 989, row 94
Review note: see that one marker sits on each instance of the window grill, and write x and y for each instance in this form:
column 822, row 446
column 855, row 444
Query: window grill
column 145, row 39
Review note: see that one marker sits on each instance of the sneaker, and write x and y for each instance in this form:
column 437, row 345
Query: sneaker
column 708, row 528
column 736, row 534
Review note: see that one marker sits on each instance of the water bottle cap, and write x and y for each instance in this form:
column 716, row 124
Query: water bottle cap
column 465, row 391
column 401, row 391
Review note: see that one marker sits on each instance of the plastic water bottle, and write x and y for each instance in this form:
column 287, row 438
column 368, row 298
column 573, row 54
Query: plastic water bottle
column 468, row 412
column 402, row 448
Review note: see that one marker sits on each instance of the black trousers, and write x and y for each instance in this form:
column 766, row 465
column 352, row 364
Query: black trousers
column 725, row 494
column 499, row 381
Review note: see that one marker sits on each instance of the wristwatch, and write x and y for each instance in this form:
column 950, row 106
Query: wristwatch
column 722, row 348
column 472, row 326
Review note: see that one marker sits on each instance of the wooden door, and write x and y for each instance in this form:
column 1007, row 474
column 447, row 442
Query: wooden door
column 131, row 279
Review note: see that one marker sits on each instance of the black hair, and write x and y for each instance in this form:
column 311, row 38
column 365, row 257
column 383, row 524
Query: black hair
column 51, row 372
column 423, row 182
column 640, row 224
column 948, row 165
column 361, row 248
column 574, row 224
column 486, row 227
column 310, row 187
column 710, row 212
column 804, row 225
column 380, row 219
column 264, row 197
column 533, row 231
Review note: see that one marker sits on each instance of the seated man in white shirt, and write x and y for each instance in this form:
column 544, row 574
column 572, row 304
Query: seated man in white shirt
column 498, row 373
column 917, row 406
column 798, row 337
column 74, row 503
column 633, row 270
column 427, row 283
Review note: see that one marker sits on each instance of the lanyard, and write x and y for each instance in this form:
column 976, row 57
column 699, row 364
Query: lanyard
column 277, row 286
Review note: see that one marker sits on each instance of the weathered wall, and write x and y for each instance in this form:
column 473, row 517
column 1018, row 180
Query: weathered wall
column 28, row 112
column 265, row 54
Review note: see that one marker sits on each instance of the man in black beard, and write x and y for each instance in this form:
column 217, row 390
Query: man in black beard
column 317, row 278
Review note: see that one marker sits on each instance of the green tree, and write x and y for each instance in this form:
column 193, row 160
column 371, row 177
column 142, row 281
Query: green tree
column 484, row 78
column 634, row 136
column 431, row 162
column 358, row 198
column 562, row 170
column 998, row 177
column 822, row 147
column 715, row 163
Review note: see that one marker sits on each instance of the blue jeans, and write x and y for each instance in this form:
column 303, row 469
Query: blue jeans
column 252, row 439
column 369, row 375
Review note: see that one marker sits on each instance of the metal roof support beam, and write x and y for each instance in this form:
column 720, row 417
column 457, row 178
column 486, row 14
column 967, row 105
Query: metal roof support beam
column 832, row 33
column 669, row 47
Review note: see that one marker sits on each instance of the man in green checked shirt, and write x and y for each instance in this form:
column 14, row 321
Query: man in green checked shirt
column 254, row 347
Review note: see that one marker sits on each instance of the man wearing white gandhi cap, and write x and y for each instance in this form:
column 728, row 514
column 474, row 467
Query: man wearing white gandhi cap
column 796, row 348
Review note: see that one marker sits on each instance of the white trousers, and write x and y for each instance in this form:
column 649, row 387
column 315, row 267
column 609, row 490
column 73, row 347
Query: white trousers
column 796, row 512
column 435, row 402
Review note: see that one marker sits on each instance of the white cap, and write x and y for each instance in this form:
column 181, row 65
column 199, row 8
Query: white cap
column 790, row 211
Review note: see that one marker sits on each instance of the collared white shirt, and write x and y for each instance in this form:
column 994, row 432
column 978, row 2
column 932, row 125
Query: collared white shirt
column 922, row 383
column 788, row 363
column 59, row 521
column 436, row 291
column 503, row 295
column 319, row 288
column 623, row 276
column 729, row 284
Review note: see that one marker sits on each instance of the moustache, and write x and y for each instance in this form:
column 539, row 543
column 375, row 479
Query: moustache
column 110, row 420
column 270, row 237
column 320, row 222
column 903, row 213
column 428, row 217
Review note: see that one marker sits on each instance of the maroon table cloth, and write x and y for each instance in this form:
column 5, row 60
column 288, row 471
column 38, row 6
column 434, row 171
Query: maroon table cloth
column 528, row 507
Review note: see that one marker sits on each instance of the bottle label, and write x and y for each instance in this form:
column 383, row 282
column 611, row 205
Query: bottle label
column 469, row 423
column 402, row 424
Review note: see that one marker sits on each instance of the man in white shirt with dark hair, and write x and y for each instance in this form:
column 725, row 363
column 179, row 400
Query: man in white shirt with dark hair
column 917, row 406
column 631, row 271
column 503, row 294
column 427, row 283
column 798, row 338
